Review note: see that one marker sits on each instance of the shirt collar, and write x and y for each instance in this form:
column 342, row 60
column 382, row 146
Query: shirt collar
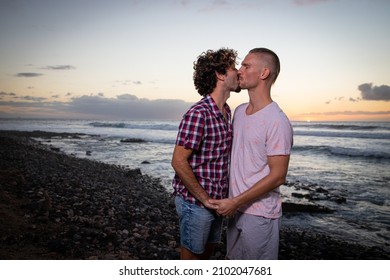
column 211, row 103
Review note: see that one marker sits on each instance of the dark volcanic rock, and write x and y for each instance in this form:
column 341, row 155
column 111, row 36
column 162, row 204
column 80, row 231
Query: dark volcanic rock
column 132, row 140
column 289, row 207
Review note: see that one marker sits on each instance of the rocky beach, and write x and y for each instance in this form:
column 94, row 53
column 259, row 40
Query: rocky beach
column 56, row 206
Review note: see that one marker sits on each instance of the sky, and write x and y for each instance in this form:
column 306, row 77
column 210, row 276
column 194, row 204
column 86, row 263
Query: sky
column 133, row 59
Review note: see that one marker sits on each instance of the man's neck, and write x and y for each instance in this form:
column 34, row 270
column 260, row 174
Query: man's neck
column 258, row 100
column 220, row 99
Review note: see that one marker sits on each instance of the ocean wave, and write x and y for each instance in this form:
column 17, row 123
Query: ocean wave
column 126, row 125
column 345, row 134
column 384, row 126
column 342, row 151
column 139, row 140
column 104, row 124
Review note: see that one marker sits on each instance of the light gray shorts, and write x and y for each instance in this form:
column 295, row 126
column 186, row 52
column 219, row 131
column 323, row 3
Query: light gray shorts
column 252, row 237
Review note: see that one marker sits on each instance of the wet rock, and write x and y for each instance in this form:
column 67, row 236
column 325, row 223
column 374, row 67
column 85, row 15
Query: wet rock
column 289, row 207
column 132, row 140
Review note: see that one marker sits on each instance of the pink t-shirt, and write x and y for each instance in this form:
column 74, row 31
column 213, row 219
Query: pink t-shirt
column 267, row 132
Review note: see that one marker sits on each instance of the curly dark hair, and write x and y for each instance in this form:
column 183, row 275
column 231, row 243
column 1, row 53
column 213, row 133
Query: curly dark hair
column 208, row 64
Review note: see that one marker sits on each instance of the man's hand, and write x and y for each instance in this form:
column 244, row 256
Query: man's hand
column 209, row 204
column 224, row 207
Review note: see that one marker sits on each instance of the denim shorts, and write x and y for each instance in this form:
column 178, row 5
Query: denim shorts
column 198, row 226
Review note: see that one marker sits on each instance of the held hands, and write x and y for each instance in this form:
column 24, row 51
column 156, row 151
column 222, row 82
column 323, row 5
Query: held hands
column 224, row 207
column 208, row 204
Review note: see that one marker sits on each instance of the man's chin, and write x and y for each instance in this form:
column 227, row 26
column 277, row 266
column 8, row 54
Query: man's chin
column 238, row 89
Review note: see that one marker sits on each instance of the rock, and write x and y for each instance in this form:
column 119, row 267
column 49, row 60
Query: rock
column 133, row 172
column 289, row 207
column 132, row 140
column 55, row 149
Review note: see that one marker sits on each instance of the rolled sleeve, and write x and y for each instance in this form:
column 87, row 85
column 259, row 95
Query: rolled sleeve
column 191, row 130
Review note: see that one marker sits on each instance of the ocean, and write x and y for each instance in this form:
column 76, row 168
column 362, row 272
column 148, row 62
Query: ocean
column 343, row 166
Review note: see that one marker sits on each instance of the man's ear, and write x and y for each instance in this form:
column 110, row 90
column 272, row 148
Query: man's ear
column 220, row 76
column 265, row 73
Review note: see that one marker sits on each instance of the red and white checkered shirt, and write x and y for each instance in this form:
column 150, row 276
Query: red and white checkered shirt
column 205, row 130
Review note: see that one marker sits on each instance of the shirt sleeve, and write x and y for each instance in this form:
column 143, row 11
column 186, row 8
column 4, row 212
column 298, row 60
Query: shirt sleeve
column 279, row 138
column 191, row 130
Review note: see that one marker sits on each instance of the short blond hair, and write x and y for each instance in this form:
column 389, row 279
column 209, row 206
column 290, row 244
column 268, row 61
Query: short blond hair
column 273, row 59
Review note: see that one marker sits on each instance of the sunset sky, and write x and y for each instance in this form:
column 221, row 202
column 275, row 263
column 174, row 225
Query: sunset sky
column 132, row 59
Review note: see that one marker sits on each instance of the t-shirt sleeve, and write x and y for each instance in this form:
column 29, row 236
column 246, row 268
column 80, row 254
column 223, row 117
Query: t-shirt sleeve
column 191, row 130
column 279, row 138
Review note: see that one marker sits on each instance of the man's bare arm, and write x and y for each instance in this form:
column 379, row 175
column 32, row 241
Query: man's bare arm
column 183, row 169
column 278, row 171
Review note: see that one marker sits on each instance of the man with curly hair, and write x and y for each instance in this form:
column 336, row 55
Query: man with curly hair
column 202, row 152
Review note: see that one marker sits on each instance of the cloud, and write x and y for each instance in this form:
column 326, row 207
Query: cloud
column 2, row 93
column 128, row 106
column 127, row 97
column 32, row 98
column 129, row 82
column 184, row 3
column 309, row 2
column 124, row 106
column 369, row 92
column 60, row 67
column 28, row 75
column 342, row 99
column 216, row 5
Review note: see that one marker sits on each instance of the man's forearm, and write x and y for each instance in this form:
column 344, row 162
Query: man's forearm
column 184, row 171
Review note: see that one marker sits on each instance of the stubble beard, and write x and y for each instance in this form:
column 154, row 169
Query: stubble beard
column 238, row 88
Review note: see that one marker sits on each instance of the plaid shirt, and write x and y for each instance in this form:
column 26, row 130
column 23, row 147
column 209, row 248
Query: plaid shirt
column 204, row 130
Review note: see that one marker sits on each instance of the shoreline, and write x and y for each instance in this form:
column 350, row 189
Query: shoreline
column 55, row 206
